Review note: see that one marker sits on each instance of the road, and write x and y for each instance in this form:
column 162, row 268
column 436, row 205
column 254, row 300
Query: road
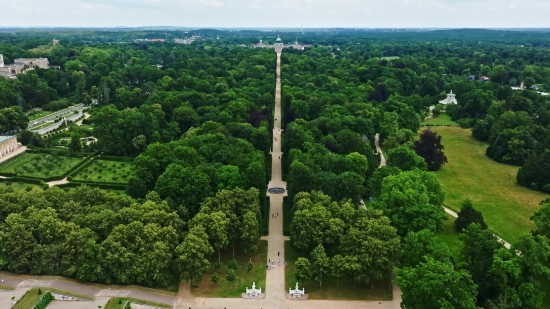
column 54, row 115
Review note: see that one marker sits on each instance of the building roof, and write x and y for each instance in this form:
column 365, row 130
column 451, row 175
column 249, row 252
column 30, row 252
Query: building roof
column 6, row 138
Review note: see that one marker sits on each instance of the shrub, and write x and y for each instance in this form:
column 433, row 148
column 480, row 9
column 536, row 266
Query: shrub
column 217, row 265
column 215, row 278
column 232, row 264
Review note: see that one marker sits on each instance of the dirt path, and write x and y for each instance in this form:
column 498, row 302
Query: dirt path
column 58, row 182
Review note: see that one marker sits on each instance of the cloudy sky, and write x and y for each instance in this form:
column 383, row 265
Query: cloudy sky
column 277, row 13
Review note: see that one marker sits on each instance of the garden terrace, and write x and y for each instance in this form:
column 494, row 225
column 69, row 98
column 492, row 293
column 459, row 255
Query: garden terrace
column 39, row 165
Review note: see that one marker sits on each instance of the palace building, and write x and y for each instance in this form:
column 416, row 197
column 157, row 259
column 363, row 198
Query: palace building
column 8, row 144
column 19, row 64
column 278, row 46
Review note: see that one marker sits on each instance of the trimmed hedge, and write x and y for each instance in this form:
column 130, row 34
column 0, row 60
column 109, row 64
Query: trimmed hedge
column 80, row 168
column 265, row 216
column 101, row 185
column 115, row 158
column 44, row 301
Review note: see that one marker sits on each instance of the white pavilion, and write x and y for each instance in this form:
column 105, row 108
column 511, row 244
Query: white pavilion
column 450, row 99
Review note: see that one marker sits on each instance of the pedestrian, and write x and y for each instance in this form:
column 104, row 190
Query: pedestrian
column 277, row 214
column 285, row 262
column 279, row 157
column 278, row 253
column 278, row 262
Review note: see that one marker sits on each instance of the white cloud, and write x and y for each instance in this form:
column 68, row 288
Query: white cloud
column 278, row 13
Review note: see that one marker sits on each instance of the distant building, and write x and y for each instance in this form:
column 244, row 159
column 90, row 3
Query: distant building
column 471, row 77
column 148, row 40
column 19, row 64
column 484, row 78
column 450, row 99
column 186, row 40
column 55, row 42
column 279, row 45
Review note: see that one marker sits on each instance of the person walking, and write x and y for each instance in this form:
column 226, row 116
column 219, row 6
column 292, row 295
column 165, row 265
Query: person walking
column 278, row 253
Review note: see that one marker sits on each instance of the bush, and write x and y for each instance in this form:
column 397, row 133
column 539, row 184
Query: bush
column 217, row 265
column 232, row 264
column 467, row 216
column 215, row 278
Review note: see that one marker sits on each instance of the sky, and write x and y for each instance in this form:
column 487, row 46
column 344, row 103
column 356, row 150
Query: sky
column 278, row 13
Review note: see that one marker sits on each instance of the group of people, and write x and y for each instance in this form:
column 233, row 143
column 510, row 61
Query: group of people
column 275, row 215
column 271, row 263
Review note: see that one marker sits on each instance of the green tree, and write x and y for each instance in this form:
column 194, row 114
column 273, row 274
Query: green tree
column 413, row 201
column 192, row 255
column 337, row 268
column 75, row 144
column 430, row 148
column 371, row 247
column 231, row 276
column 302, row 269
column 435, row 284
column 418, row 246
column 406, row 159
column 467, row 216
column 320, row 264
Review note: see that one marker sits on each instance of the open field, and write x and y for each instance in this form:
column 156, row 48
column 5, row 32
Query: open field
column 491, row 186
column 244, row 278
column 330, row 289
column 441, row 120
column 106, row 171
column 39, row 165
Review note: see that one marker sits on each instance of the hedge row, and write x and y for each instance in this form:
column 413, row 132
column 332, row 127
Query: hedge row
column 101, row 185
column 57, row 152
column 80, row 168
column 265, row 216
column 115, row 158
column 44, row 301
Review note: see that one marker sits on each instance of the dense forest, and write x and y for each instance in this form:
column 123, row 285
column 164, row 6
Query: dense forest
column 196, row 121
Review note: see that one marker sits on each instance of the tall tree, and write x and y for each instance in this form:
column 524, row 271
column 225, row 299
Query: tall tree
column 320, row 264
column 434, row 285
column 192, row 255
column 430, row 148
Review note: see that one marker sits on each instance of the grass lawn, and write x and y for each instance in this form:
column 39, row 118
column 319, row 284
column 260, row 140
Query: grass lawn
column 39, row 165
column 330, row 290
column 449, row 236
column 244, row 278
column 106, row 171
column 42, row 125
column 441, row 120
column 491, row 186
column 29, row 300
column 39, row 114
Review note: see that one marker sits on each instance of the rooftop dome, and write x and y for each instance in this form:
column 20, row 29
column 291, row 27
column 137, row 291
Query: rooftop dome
column 278, row 39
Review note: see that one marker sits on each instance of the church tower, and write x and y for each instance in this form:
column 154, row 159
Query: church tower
column 278, row 45
column 1, row 61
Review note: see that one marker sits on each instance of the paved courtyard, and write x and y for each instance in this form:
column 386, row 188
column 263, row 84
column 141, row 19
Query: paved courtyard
column 61, row 304
column 5, row 297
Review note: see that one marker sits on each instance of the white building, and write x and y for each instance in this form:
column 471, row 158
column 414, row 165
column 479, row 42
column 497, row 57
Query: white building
column 450, row 99
column 19, row 64
column 8, row 144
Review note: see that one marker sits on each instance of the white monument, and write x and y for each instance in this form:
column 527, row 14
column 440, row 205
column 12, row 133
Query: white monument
column 296, row 293
column 450, row 99
column 253, row 292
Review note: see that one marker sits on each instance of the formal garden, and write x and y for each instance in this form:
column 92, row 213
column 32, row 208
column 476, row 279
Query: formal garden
column 39, row 165
column 105, row 171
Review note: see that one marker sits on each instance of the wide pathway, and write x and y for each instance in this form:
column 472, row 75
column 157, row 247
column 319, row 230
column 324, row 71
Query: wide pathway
column 276, row 287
